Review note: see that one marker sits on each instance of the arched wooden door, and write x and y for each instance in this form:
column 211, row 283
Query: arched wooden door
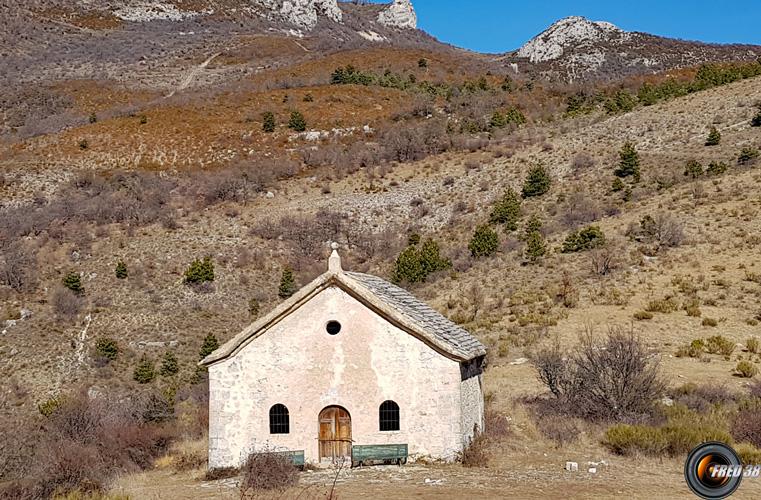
column 335, row 434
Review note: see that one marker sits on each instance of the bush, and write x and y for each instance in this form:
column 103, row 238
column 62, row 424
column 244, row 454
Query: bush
column 200, row 271
column 484, row 242
column 537, row 183
column 210, row 344
column 585, row 239
column 717, row 168
column 634, row 439
column 253, row 308
column 746, row 426
column 66, row 304
column 169, row 365
column 287, row 285
column 267, row 472
column 475, row 454
column 268, row 122
column 535, row 246
column 643, row 315
column 415, row 263
column 756, row 121
column 746, row 369
column 693, row 169
column 629, row 162
column 613, row 379
column 664, row 230
column 73, row 282
column 720, row 345
column 107, row 347
column 144, row 373
column 50, row 406
column 694, row 350
column 507, row 210
column 703, row 398
column 121, row 270
column 753, row 345
column 710, row 322
column 748, row 156
column 714, row 137
column 749, row 454
column 297, row 122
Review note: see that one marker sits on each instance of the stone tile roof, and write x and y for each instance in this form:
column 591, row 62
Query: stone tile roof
column 422, row 314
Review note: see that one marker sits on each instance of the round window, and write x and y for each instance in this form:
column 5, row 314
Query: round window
column 333, row 327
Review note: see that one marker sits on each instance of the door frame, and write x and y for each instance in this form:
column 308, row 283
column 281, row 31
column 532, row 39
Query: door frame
column 320, row 441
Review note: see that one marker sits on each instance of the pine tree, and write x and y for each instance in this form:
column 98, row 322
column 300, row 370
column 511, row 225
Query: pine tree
column 714, row 137
column 431, row 259
column 268, row 122
column 693, row 169
column 73, row 282
column 484, row 242
column 144, row 372
column 210, row 344
column 507, row 210
column 169, row 365
column 107, row 348
column 629, row 164
column 200, row 271
column 535, row 246
column 121, row 270
column 533, row 225
column 297, row 122
column 537, row 183
column 408, row 267
column 498, row 120
column 287, row 284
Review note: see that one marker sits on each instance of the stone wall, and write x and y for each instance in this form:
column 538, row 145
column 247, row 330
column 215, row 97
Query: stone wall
column 298, row 364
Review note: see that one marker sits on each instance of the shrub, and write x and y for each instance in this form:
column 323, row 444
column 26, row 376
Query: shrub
column 714, row 137
column 585, row 239
column 749, row 454
column 634, row 439
column 756, row 121
column 475, row 454
column 422, row 63
column 621, row 102
column 746, row 426
column 746, row 369
column 73, row 282
column 121, row 270
column 753, row 345
column 415, row 263
column 266, row 472
column 144, row 372
column 210, row 344
column 693, row 169
column 710, row 322
column 200, row 271
column 694, row 350
column 703, row 398
column 297, row 122
column 629, row 162
column 537, row 183
column 664, row 230
column 643, row 315
column 613, row 379
column 535, row 246
column 253, row 308
column 169, row 365
column 107, row 347
column 50, row 406
column 287, row 284
column 507, row 210
column 717, row 168
column 498, row 120
column 617, row 185
column 720, row 345
column 66, row 304
column 268, row 122
column 748, row 156
column 484, row 242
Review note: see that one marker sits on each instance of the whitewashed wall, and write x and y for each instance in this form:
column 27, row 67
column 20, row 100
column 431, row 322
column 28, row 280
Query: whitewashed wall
column 298, row 364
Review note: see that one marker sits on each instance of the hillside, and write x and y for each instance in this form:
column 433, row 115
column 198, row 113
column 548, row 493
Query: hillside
column 131, row 147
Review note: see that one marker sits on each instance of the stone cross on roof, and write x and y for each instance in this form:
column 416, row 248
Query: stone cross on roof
column 334, row 262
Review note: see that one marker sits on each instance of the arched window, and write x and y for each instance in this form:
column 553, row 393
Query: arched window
column 279, row 420
column 388, row 416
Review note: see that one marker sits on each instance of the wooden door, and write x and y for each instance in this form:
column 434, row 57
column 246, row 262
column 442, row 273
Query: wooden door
column 335, row 434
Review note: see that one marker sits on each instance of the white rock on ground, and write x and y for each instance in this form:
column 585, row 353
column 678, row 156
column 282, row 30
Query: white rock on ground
column 400, row 14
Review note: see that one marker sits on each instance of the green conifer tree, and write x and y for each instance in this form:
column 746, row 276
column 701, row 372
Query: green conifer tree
column 169, row 365
column 73, row 282
column 268, row 122
column 507, row 210
column 714, row 137
column 287, row 284
column 629, row 164
column 144, row 372
column 121, row 270
column 484, row 242
column 537, row 183
column 297, row 122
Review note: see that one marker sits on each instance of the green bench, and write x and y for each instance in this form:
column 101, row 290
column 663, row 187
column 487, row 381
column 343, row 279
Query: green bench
column 393, row 453
column 295, row 456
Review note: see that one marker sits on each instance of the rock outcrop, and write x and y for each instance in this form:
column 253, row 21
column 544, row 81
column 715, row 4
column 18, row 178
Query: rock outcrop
column 566, row 33
column 304, row 13
column 400, row 14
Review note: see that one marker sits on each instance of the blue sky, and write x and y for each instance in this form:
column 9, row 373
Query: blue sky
column 499, row 26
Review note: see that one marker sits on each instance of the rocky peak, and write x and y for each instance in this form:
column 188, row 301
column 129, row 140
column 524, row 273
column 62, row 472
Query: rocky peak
column 566, row 33
column 400, row 14
column 303, row 13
